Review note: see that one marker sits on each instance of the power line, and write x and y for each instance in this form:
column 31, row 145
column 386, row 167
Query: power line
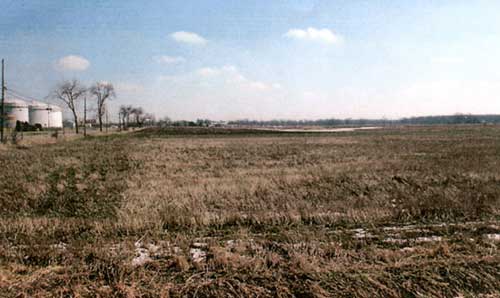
column 14, row 86
column 20, row 94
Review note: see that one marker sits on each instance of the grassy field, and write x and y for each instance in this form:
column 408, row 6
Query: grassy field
column 398, row 212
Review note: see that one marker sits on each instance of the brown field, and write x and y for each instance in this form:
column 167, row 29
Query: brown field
column 398, row 212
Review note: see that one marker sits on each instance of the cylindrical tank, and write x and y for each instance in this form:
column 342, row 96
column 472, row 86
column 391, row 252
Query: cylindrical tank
column 15, row 110
column 45, row 114
column 55, row 117
column 39, row 114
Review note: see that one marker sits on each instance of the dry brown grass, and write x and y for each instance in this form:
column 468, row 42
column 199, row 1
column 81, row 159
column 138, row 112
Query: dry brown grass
column 406, row 212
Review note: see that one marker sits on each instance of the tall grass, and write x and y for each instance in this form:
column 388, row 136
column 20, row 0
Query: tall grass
column 219, row 212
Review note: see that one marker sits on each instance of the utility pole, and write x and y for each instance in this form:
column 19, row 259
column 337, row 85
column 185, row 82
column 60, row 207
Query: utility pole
column 48, row 116
column 2, row 111
column 84, row 116
column 119, row 121
column 107, row 123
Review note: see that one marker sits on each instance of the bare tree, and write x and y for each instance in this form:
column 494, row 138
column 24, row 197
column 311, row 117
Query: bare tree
column 102, row 91
column 70, row 92
column 129, row 110
column 149, row 119
column 138, row 115
column 165, row 121
column 125, row 112
column 121, row 114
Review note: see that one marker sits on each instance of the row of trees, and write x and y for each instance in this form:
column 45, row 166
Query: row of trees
column 134, row 116
column 424, row 120
column 166, row 121
column 73, row 92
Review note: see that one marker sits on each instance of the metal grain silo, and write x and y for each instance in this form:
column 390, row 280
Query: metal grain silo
column 15, row 110
column 39, row 113
column 47, row 115
column 55, row 117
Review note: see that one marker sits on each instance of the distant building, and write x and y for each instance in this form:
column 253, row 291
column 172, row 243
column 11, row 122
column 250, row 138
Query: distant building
column 218, row 124
column 89, row 123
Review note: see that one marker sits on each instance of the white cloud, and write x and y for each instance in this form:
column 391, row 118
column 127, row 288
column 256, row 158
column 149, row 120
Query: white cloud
column 229, row 74
column 72, row 62
column 313, row 34
column 188, row 37
column 208, row 72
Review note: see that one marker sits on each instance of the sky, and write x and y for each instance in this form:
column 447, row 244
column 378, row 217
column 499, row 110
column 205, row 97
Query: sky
column 291, row 59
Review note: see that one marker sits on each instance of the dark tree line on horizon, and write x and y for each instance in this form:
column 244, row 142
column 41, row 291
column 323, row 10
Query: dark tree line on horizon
column 422, row 120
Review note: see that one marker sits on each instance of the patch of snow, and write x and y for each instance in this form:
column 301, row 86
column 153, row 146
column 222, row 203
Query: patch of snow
column 199, row 245
column 361, row 234
column 343, row 129
column 429, row 239
column 411, row 228
column 60, row 245
column 197, row 255
column 142, row 257
column 493, row 237
column 408, row 249
column 395, row 240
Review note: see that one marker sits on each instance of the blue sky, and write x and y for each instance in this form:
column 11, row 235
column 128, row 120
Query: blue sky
column 262, row 59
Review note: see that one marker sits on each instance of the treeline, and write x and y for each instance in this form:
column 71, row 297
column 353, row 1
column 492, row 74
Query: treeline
column 423, row 120
column 166, row 121
column 129, row 116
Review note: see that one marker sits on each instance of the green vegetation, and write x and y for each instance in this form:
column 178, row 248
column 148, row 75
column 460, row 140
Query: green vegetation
column 212, row 212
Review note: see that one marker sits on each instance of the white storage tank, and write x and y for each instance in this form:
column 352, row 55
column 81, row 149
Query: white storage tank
column 39, row 113
column 15, row 110
column 47, row 115
column 55, row 117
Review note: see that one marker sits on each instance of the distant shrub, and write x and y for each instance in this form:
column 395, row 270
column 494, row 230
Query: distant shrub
column 25, row 126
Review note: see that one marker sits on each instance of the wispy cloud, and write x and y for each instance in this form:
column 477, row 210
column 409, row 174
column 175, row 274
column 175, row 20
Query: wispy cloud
column 230, row 74
column 165, row 59
column 208, row 72
column 447, row 60
column 126, row 87
column 312, row 34
column 72, row 63
column 188, row 37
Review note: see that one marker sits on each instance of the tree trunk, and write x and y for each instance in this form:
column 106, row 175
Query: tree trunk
column 100, row 121
column 76, row 122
